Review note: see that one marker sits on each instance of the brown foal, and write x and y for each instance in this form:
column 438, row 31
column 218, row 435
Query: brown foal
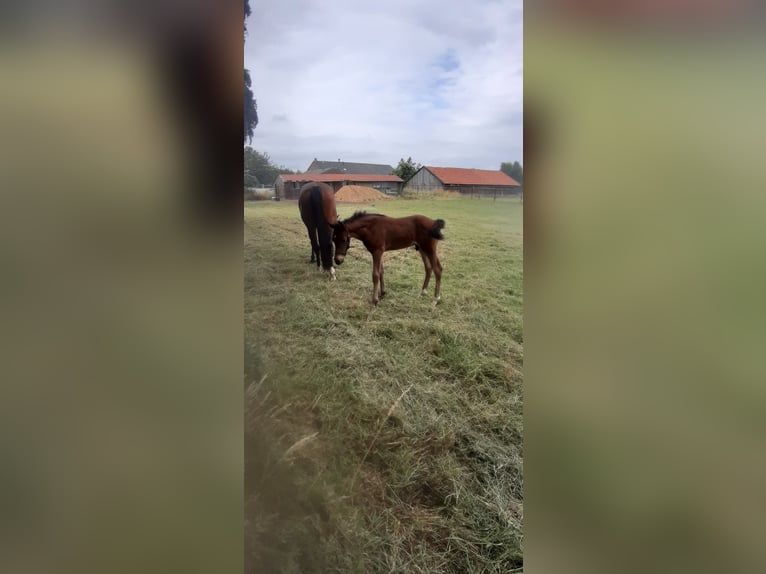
column 380, row 233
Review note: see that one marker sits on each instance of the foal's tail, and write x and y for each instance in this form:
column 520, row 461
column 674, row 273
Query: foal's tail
column 436, row 230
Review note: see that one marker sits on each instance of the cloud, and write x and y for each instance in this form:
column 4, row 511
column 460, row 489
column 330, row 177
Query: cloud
column 373, row 82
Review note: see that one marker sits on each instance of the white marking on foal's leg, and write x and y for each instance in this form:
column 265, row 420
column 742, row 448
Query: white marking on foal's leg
column 332, row 273
column 423, row 291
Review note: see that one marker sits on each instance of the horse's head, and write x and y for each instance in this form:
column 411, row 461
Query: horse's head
column 341, row 239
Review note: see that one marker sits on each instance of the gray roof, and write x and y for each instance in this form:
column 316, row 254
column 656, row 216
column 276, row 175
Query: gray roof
column 349, row 167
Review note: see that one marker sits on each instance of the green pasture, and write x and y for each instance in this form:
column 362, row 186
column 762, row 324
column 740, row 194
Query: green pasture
column 388, row 438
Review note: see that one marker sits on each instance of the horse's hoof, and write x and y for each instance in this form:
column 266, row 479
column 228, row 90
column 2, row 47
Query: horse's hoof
column 382, row 293
column 423, row 292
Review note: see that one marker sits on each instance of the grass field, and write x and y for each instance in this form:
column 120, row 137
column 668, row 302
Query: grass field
column 384, row 439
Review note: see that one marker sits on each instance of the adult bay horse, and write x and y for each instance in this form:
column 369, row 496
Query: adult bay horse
column 381, row 233
column 317, row 206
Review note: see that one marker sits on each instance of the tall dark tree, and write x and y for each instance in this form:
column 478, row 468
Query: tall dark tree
column 251, row 108
column 406, row 169
column 515, row 170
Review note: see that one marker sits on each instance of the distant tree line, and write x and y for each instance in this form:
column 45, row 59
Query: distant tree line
column 260, row 170
column 515, row 170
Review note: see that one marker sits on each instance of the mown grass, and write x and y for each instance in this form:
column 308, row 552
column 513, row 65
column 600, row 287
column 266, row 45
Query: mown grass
column 384, row 439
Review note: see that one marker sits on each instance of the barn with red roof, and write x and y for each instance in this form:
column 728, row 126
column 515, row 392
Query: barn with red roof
column 481, row 182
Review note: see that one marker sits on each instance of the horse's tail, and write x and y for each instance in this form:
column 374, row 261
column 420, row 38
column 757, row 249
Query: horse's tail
column 323, row 227
column 436, row 230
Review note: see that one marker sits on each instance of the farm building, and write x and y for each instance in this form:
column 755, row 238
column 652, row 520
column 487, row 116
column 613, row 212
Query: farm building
column 318, row 166
column 468, row 181
column 288, row 186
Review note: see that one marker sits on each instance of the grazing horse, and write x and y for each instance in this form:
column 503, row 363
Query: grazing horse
column 317, row 207
column 380, row 233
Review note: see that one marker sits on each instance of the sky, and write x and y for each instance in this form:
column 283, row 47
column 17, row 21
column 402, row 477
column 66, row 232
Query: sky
column 361, row 81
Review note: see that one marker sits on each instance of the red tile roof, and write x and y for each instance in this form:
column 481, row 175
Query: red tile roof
column 461, row 176
column 333, row 177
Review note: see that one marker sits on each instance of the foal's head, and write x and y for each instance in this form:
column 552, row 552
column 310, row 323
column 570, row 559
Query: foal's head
column 341, row 239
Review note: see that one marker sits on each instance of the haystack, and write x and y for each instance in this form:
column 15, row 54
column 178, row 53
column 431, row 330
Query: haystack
column 359, row 194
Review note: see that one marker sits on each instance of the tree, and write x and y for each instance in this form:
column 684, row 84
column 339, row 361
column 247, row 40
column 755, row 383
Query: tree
column 259, row 168
column 250, row 179
column 251, row 108
column 258, row 165
column 406, row 169
column 515, row 170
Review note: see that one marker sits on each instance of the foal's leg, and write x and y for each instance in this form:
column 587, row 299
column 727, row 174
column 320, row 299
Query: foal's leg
column 438, row 273
column 427, row 265
column 377, row 265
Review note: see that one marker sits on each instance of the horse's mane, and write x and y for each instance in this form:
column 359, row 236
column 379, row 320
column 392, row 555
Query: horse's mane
column 360, row 214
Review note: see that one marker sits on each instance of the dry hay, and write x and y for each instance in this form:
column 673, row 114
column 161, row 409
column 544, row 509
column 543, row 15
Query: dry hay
column 359, row 194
